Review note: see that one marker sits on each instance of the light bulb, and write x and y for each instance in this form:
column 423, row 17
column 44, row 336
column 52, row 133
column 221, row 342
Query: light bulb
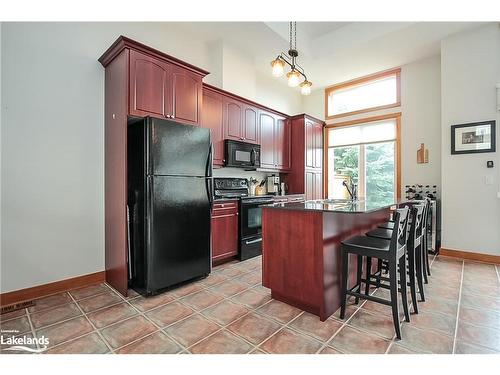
column 305, row 87
column 278, row 67
column 293, row 78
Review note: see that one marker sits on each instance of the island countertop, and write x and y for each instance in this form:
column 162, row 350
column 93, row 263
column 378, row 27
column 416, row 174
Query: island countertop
column 338, row 205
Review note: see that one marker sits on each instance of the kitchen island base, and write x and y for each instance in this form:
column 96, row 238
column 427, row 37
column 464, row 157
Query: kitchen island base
column 302, row 254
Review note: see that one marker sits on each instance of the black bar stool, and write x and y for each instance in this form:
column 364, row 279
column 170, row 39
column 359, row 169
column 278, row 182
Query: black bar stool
column 394, row 252
column 413, row 251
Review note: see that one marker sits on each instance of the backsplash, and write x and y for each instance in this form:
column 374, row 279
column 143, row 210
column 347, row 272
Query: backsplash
column 240, row 173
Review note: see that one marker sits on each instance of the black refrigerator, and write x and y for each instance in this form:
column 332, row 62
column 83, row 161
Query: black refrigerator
column 169, row 203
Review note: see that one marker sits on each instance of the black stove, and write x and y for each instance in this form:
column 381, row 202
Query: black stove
column 250, row 213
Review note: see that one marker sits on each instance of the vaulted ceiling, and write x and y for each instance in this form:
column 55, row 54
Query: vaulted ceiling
column 332, row 52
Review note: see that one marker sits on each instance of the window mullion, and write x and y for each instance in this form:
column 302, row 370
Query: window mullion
column 362, row 169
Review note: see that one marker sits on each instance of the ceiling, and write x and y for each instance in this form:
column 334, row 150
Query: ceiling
column 332, row 52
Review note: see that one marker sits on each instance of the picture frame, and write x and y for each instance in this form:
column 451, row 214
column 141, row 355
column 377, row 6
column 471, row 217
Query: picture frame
column 473, row 138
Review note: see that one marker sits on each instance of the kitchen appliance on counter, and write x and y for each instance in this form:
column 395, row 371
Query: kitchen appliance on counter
column 273, row 185
column 169, row 200
column 241, row 155
column 250, row 213
column 433, row 230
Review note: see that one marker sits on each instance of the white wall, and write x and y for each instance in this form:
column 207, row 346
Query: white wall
column 52, row 139
column 421, row 121
column 470, row 69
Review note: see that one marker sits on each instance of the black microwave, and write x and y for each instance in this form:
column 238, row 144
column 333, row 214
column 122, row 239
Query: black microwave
column 241, row 154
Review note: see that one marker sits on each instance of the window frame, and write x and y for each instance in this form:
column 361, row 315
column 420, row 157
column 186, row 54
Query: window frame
column 361, row 81
column 391, row 116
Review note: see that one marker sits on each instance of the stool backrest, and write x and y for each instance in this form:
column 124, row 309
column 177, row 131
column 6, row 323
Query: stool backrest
column 417, row 222
column 399, row 233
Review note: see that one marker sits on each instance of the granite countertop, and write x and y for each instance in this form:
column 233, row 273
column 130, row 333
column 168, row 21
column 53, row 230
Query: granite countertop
column 337, row 205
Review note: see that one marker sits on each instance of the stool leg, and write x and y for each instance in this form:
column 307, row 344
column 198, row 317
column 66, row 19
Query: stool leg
column 345, row 277
column 427, row 259
column 418, row 258
column 368, row 274
column 424, row 263
column 393, row 281
column 358, row 276
column 413, row 286
column 404, row 293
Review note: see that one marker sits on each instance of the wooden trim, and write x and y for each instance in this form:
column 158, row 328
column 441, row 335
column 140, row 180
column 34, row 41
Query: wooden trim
column 359, row 82
column 123, row 42
column 363, row 120
column 44, row 290
column 206, row 86
column 480, row 257
column 396, row 116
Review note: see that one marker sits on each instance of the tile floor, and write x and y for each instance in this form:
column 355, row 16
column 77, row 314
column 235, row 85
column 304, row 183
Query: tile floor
column 231, row 312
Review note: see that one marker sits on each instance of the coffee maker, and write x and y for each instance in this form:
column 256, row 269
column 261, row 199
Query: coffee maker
column 273, row 184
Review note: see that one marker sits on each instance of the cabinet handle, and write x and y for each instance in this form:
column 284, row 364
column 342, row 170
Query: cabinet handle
column 222, row 205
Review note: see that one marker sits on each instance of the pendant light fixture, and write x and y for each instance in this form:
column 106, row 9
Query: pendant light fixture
column 296, row 71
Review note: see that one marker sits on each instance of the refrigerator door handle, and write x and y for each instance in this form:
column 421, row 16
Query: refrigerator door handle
column 208, row 172
column 208, row 182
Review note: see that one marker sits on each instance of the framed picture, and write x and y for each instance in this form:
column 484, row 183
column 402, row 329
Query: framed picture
column 473, row 138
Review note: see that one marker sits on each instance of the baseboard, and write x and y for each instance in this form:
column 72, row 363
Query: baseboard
column 44, row 290
column 486, row 258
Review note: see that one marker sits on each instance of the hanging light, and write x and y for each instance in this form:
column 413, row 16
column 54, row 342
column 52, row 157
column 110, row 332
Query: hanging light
column 293, row 78
column 278, row 67
column 289, row 58
column 305, row 87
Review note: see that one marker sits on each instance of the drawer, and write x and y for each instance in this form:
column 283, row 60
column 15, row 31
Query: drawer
column 225, row 208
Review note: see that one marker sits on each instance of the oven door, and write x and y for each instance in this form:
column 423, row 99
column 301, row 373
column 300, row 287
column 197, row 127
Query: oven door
column 251, row 217
column 242, row 155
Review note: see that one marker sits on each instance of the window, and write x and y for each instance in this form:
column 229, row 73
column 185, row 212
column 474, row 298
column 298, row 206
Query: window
column 377, row 91
column 366, row 153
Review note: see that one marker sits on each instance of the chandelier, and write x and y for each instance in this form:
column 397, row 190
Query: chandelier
column 296, row 72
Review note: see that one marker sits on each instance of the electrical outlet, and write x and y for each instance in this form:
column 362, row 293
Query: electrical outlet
column 488, row 179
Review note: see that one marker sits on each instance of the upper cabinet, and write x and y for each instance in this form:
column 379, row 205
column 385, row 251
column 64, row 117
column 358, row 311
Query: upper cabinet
column 241, row 121
column 314, row 143
column 186, row 96
column 233, row 118
column 212, row 118
column 159, row 85
column 150, row 83
column 275, row 141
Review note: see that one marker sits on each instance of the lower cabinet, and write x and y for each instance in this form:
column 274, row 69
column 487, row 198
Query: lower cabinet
column 224, row 230
column 314, row 184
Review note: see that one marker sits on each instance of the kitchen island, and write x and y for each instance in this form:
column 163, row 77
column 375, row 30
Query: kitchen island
column 301, row 249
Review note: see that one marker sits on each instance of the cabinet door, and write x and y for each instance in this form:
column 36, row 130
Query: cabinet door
column 318, row 145
column 149, row 91
column 267, row 133
column 282, row 143
column 250, row 131
column 233, row 116
column 224, row 235
column 310, row 180
column 186, row 96
column 309, row 143
column 318, row 185
column 212, row 119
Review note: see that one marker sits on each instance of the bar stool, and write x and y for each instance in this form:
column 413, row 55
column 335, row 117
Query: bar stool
column 413, row 251
column 425, row 245
column 394, row 252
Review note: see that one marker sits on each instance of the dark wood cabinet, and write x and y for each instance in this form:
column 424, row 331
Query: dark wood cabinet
column 267, row 134
column 233, row 116
column 224, row 230
column 251, row 129
column 306, row 175
column 274, row 141
column 212, row 118
column 161, row 89
column 150, row 82
column 186, row 96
